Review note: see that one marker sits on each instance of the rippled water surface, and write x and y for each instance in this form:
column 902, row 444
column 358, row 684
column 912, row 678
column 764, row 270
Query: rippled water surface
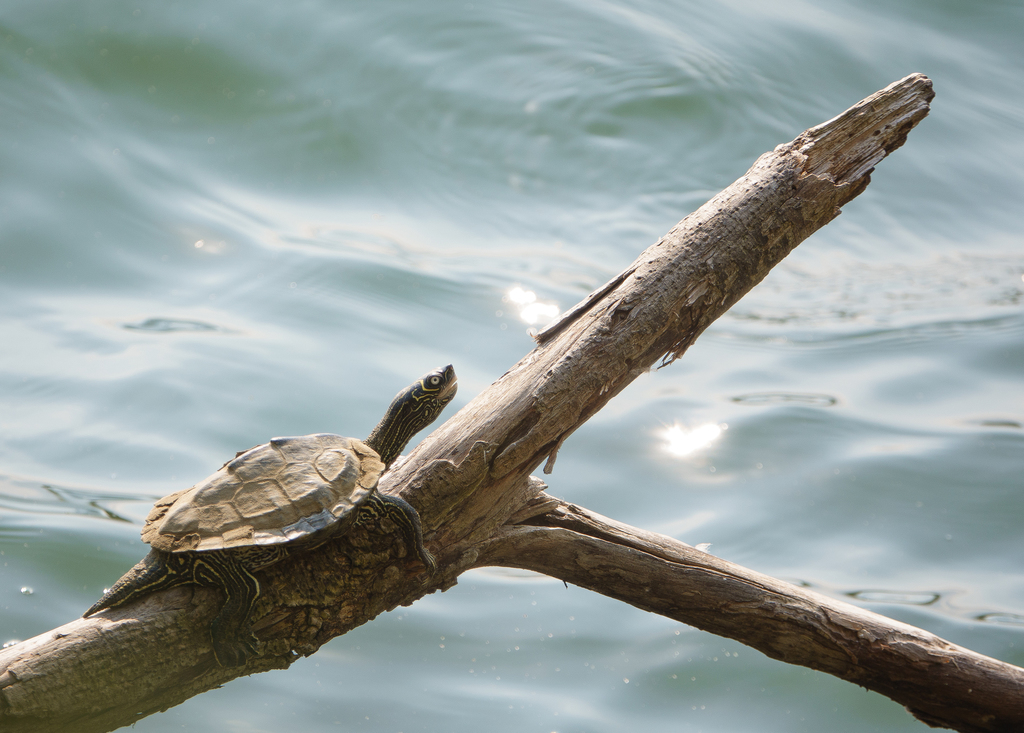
column 221, row 222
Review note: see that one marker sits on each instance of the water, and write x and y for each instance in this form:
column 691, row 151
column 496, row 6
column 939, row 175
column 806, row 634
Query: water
column 222, row 222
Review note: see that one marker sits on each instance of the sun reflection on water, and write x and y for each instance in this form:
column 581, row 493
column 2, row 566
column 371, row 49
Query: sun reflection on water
column 531, row 310
column 682, row 441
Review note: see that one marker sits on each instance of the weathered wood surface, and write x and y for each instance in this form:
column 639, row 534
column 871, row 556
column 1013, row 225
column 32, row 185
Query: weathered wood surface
column 471, row 481
column 939, row 682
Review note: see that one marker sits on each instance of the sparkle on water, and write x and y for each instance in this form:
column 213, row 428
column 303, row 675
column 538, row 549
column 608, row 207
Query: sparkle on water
column 531, row 310
column 682, row 441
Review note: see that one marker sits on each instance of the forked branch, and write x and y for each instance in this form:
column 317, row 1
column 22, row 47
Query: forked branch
column 471, row 482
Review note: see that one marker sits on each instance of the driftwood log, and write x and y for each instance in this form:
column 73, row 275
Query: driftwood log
column 471, row 481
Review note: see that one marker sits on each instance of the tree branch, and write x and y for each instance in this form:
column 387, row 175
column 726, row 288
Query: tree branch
column 471, row 480
column 939, row 682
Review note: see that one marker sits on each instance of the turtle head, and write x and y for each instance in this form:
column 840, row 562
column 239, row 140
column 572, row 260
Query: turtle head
column 413, row 409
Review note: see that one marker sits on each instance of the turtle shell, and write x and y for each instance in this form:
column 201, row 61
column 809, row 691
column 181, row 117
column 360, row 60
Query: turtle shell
column 287, row 490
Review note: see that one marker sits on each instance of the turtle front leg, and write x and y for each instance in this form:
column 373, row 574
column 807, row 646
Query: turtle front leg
column 231, row 630
column 384, row 506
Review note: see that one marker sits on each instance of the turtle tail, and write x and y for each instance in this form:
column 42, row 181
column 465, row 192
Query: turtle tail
column 156, row 571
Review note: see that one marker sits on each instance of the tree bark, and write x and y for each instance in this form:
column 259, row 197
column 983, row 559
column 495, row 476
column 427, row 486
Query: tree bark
column 940, row 683
column 471, row 482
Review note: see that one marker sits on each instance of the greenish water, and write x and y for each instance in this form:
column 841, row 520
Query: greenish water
column 221, row 222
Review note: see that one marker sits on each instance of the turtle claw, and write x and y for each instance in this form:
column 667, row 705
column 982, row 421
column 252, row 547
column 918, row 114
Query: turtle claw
column 234, row 652
column 427, row 559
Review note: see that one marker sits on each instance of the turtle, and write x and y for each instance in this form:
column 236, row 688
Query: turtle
column 288, row 495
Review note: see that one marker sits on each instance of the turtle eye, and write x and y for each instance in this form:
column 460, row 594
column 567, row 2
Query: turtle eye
column 434, row 381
